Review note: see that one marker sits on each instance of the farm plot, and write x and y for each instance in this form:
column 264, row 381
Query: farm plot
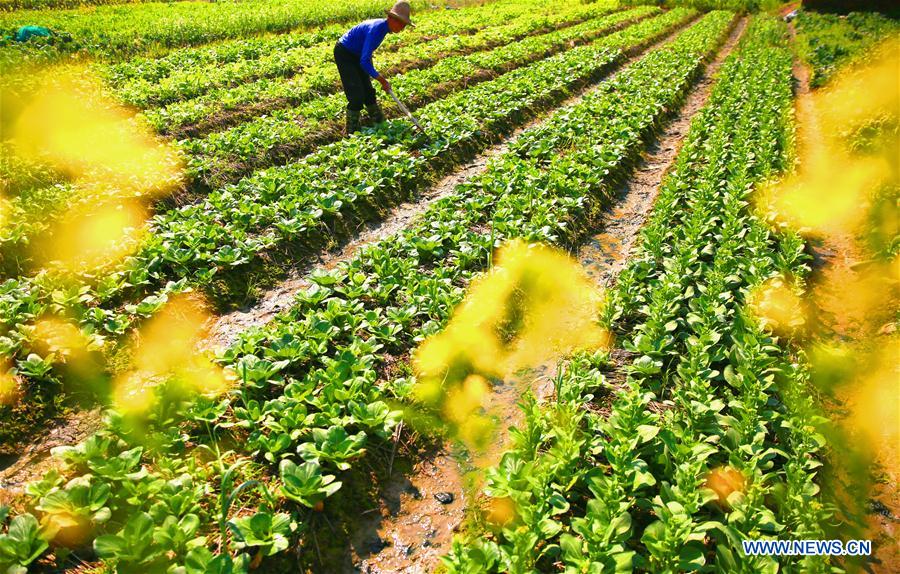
column 403, row 298
column 221, row 109
column 197, row 243
column 694, row 428
column 34, row 208
column 189, row 73
column 221, row 156
column 116, row 31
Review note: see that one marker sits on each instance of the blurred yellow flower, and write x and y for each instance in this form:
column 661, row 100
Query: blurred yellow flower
column 9, row 385
column 95, row 235
column 55, row 335
column 70, row 124
column 776, row 306
column 726, row 481
column 500, row 511
column 165, row 352
column 534, row 306
column 832, row 191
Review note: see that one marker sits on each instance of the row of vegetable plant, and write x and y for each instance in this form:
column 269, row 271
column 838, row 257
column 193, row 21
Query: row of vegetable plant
column 465, row 20
column 710, row 439
column 220, row 108
column 204, row 245
column 34, row 212
column 285, row 134
column 828, row 42
column 115, row 32
column 20, row 176
column 310, row 399
column 10, row 5
column 191, row 79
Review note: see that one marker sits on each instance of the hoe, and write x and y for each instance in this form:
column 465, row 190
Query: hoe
column 409, row 113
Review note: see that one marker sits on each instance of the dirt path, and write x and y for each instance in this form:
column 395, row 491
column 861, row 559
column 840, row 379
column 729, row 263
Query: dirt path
column 839, row 263
column 403, row 538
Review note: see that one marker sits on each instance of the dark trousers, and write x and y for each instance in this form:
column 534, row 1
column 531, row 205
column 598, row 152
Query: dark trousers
column 357, row 83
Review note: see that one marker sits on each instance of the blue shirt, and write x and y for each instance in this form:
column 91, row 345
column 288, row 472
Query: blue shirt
column 363, row 39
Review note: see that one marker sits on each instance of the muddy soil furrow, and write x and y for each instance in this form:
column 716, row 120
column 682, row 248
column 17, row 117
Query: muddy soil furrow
column 225, row 328
column 34, row 461
column 403, row 539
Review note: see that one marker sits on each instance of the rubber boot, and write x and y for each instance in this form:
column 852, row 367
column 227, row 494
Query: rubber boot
column 353, row 121
column 375, row 113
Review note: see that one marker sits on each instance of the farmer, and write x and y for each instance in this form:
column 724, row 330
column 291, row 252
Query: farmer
column 353, row 56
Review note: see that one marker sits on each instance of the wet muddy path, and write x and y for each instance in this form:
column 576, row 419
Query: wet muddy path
column 35, row 461
column 403, row 537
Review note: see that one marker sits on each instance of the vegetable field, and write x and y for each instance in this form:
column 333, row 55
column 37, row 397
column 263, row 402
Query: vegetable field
column 626, row 302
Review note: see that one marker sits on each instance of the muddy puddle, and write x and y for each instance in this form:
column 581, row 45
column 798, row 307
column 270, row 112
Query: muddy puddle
column 416, row 517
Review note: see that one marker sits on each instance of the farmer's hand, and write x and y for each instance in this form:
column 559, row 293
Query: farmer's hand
column 385, row 85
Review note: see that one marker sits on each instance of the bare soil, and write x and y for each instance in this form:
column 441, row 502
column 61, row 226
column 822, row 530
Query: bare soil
column 35, row 461
column 418, row 512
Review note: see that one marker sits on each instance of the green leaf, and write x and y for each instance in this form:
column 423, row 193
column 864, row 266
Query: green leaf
column 110, row 546
column 23, row 542
column 305, row 483
column 647, row 432
column 620, row 525
column 691, row 557
column 654, row 533
column 269, row 532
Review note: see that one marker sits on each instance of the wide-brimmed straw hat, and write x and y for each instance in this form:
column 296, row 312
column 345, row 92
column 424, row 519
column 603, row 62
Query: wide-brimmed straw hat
column 400, row 11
